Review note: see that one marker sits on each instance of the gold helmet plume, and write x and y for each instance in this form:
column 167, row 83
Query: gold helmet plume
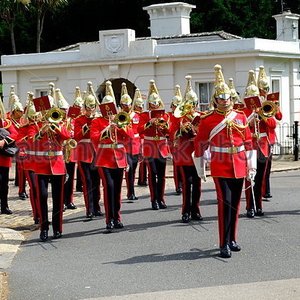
column 251, row 89
column 177, row 99
column 234, row 95
column 137, row 98
column 78, row 101
column 262, row 81
column 61, row 101
column 222, row 90
column 190, row 96
column 153, row 95
column 125, row 98
column 90, row 100
column 14, row 101
column 2, row 110
column 109, row 93
column 51, row 94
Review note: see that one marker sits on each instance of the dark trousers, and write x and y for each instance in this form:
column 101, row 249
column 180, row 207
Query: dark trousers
column 57, row 183
column 229, row 192
column 112, row 185
column 91, row 186
column 191, row 190
column 20, row 179
column 157, row 178
column 132, row 161
column 33, row 196
column 267, row 186
column 177, row 176
column 69, row 184
column 78, row 180
column 258, row 186
column 142, row 172
column 4, row 177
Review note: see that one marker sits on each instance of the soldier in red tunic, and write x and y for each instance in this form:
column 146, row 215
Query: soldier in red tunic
column 183, row 130
column 259, row 124
column 134, row 145
column 9, row 134
column 109, row 137
column 85, row 155
column 177, row 99
column 49, row 166
column 154, row 126
column 227, row 134
column 31, row 118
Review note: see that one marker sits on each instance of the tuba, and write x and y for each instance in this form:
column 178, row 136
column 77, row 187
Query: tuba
column 267, row 110
column 122, row 119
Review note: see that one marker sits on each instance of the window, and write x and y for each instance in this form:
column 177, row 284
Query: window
column 275, row 85
column 205, row 94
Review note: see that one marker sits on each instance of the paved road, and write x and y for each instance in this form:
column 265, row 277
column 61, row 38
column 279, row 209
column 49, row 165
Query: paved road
column 157, row 257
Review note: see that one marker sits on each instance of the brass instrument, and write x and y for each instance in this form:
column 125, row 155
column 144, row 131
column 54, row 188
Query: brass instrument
column 54, row 115
column 267, row 110
column 160, row 122
column 122, row 119
column 69, row 144
column 183, row 109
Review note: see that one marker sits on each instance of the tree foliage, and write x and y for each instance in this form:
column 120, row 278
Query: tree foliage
column 51, row 24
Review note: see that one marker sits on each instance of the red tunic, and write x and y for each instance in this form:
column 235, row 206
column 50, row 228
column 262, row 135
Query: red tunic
column 84, row 151
column 47, row 152
column 155, row 139
column 109, row 144
column 235, row 134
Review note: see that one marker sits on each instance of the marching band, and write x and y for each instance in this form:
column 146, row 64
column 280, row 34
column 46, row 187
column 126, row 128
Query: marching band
column 107, row 143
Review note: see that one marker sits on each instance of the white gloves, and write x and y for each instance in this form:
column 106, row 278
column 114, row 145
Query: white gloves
column 251, row 175
column 199, row 163
column 251, row 164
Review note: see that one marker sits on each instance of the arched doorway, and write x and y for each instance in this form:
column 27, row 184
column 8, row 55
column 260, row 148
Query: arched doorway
column 116, row 85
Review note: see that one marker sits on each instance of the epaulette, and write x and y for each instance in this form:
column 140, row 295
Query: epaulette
column 206, row 114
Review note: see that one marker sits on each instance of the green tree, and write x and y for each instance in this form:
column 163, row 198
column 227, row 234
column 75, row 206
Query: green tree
column 40, row 8
column 9, row 10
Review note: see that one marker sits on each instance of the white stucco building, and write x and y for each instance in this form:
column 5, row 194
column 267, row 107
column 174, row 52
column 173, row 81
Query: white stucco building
column 167, row 56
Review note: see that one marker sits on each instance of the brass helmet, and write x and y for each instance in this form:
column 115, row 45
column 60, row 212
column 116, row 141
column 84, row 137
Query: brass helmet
column 153, row 95
column 222, row 90
column 78, row 101
column 262, row 81
column 109, row 93
column 51, row 94
column 14, row 102
column 61, row 101
column 89, row 98
column 190, row 96
column 234, row 95
column 125, row 98
column 31, row 112
column 177, row 96
column 137, row 99
column 251, row 89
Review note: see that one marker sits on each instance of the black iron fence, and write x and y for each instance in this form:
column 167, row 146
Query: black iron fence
column 288, row 140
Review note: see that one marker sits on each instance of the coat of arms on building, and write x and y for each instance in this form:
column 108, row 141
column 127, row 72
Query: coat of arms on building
column 114, row 43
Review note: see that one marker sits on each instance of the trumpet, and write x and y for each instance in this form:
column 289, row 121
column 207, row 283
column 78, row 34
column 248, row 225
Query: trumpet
column 122, row 119
column 267, row 110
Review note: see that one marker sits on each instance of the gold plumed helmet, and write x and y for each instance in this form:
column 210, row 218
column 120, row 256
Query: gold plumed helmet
column 109, row 93
column 125, row 98
column 222, row 90
column 251, row 89
column 234, row 95
column 262, row 81
column 78, row 101
column 177, row 96
column 89, row 98
column 153, row 95
column 31, row 113
column 51, row 94
column 61, row 101
column 137, row 98
column 190, row 96
column 14, row 102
